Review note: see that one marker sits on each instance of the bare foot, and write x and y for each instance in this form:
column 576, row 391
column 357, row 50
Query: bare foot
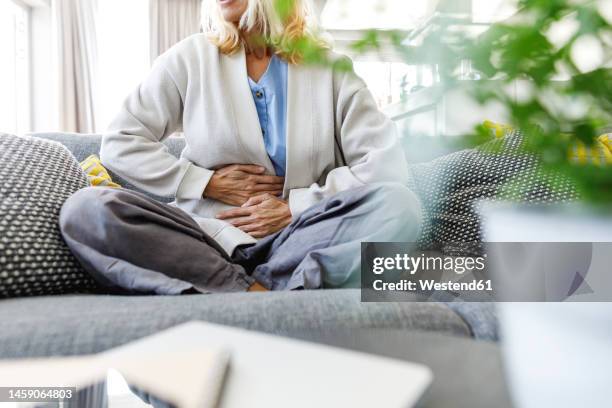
column 256, row 287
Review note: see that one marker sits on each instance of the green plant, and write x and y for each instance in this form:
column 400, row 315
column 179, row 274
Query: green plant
column 558, row 52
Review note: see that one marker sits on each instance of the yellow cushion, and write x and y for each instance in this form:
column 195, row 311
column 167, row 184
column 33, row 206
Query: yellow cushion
column 96, row 173
column 498, row 130
column 599, row 154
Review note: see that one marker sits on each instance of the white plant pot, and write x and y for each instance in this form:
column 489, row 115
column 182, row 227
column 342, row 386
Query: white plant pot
column 555, row 354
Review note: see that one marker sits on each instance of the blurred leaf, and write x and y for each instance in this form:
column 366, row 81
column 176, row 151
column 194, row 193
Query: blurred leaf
column 559, row 114
column 284, row 8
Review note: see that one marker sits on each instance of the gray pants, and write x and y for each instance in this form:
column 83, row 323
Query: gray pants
column 131, row 243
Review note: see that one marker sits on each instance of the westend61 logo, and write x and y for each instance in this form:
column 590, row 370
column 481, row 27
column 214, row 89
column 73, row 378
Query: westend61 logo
column 401, row 271
column 425, row 273
column 412, row 264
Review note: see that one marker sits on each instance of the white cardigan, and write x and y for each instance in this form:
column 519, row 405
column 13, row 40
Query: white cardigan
column 195, row 88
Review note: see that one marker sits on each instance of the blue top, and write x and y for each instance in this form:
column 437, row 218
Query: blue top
column 270, row 96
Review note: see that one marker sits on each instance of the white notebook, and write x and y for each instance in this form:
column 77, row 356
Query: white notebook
column 272, row 371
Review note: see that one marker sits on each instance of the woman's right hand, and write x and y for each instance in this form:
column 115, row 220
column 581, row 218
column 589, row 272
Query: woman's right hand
column 237, row 183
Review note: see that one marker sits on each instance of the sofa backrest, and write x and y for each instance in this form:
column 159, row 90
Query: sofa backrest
column 83, row 145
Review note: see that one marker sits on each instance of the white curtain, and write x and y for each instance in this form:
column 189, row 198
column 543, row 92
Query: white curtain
column 75, row 31
column 170, row 22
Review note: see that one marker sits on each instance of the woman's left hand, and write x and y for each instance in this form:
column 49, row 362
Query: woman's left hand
column 260, row 216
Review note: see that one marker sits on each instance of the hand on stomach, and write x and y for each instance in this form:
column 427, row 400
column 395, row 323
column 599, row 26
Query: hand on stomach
column 260, row 216
column 237, row 183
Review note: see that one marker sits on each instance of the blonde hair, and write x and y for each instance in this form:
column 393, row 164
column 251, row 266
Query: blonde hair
column 286, row 34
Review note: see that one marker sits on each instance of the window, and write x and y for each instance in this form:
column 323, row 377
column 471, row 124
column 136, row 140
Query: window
column 123, row 54
column 388, row 78
column 389, row 82
column 383, row 14
column 488, row 11
column 15, row 67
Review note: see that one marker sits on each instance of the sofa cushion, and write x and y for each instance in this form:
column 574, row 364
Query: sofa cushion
column 498, row 170
column 71, row 325
column 37, row 177
column 97, row 174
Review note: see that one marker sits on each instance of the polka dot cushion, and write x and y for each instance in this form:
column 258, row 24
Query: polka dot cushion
column 450, row 186
column 37, row 176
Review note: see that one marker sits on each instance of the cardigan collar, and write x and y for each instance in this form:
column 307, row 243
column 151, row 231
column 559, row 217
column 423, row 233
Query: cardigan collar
column 300, row 130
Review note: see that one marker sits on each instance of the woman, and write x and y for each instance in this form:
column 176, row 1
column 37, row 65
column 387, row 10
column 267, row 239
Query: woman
column 280, row 178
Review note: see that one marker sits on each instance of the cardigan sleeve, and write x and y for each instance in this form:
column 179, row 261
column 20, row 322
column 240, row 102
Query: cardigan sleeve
column 368, row 141
column 133, row 148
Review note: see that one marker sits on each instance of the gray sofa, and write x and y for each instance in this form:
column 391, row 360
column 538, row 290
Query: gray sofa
column 82, row 324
